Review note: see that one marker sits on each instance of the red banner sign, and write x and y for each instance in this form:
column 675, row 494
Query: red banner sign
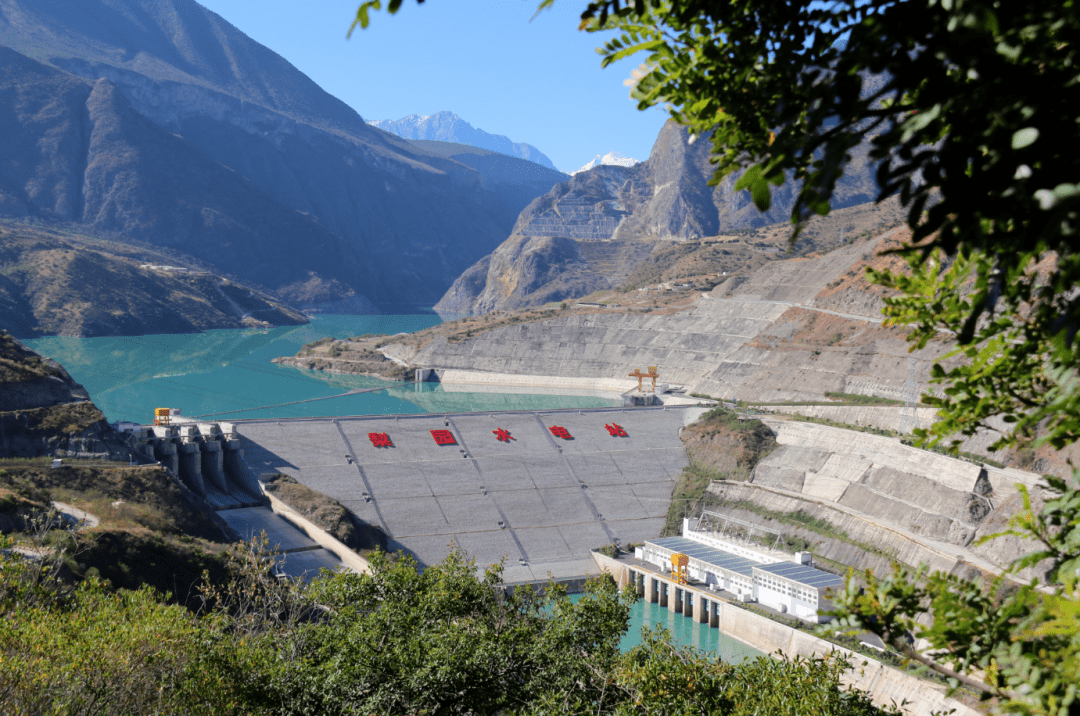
column 380, row 440
column 443, row 437
column 560, row 432
column 502, row 435
column 616, row 430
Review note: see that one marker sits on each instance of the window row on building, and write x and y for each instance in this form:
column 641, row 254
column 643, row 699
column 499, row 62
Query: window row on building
column 789, row 587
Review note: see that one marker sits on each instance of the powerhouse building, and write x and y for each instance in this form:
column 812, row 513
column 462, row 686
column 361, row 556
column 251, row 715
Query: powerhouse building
column 791, row 587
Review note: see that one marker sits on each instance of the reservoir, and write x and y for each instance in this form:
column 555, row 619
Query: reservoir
column 227, row 374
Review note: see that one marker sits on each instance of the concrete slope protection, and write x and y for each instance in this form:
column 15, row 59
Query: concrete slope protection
column 709, row 349
column 540, row 501
column 781, row 334
column 907, row 504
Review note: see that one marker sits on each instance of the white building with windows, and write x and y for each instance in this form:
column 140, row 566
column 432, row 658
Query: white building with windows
column 791, row 586
column 796, row 589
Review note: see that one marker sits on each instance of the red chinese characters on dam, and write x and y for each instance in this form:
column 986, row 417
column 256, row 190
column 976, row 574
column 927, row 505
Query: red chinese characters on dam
column 443, row 437
column 380, row 440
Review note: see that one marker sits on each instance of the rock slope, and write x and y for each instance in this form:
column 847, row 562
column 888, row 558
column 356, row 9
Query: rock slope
column 576, row 238
column 516, row 181
column 76, row 151
column 44, row 412
column 61, row 282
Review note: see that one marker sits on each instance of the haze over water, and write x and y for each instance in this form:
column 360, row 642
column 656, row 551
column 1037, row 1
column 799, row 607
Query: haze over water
column 227, row 374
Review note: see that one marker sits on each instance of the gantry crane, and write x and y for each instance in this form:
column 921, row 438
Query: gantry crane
column 678, row 567
column 651, row 374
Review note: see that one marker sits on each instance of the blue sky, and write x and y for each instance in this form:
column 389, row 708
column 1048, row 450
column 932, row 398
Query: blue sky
column 538, row 82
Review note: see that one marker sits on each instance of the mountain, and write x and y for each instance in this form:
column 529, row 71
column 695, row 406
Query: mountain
column 158, row 122
column 610, row 159
column 516, row 181
column 448, row 127
column 76, row 151
column 594, row 230
column 62, row 282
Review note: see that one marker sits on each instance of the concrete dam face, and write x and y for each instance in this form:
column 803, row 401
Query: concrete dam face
column 530, row 494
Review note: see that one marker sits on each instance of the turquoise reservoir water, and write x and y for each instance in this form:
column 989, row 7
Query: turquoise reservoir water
column 685, row 631
column 227, row 374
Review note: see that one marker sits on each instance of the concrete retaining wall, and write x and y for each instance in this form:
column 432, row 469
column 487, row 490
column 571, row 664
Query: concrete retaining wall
column 213, row 465
column 165, row 453
column 513, row 383
column 237, row 469
column 190, row 466
column 901, row 419
column 323, row 538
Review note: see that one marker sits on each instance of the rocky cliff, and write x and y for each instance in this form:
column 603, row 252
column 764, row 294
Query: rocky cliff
column 618, row 216
column 44, row 412
column 165, row 124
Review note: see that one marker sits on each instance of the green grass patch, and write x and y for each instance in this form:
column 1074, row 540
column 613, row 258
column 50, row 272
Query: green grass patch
column 798, row 518
column 857, row 399
column 688, row 492
column 959, row 454
column 885, row 432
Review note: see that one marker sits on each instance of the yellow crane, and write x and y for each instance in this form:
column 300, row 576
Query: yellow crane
column 678, row 567
column 650, row 374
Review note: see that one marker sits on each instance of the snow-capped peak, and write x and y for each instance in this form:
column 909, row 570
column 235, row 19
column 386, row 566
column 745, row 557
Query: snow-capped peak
column 611, row 158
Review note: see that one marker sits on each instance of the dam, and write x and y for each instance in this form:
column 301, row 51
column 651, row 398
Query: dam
column 540, row 488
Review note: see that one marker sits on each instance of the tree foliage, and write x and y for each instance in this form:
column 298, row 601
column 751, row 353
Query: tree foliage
column 970, row 107
column 445, row 641
column 1019, row 645
column 442, row 640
